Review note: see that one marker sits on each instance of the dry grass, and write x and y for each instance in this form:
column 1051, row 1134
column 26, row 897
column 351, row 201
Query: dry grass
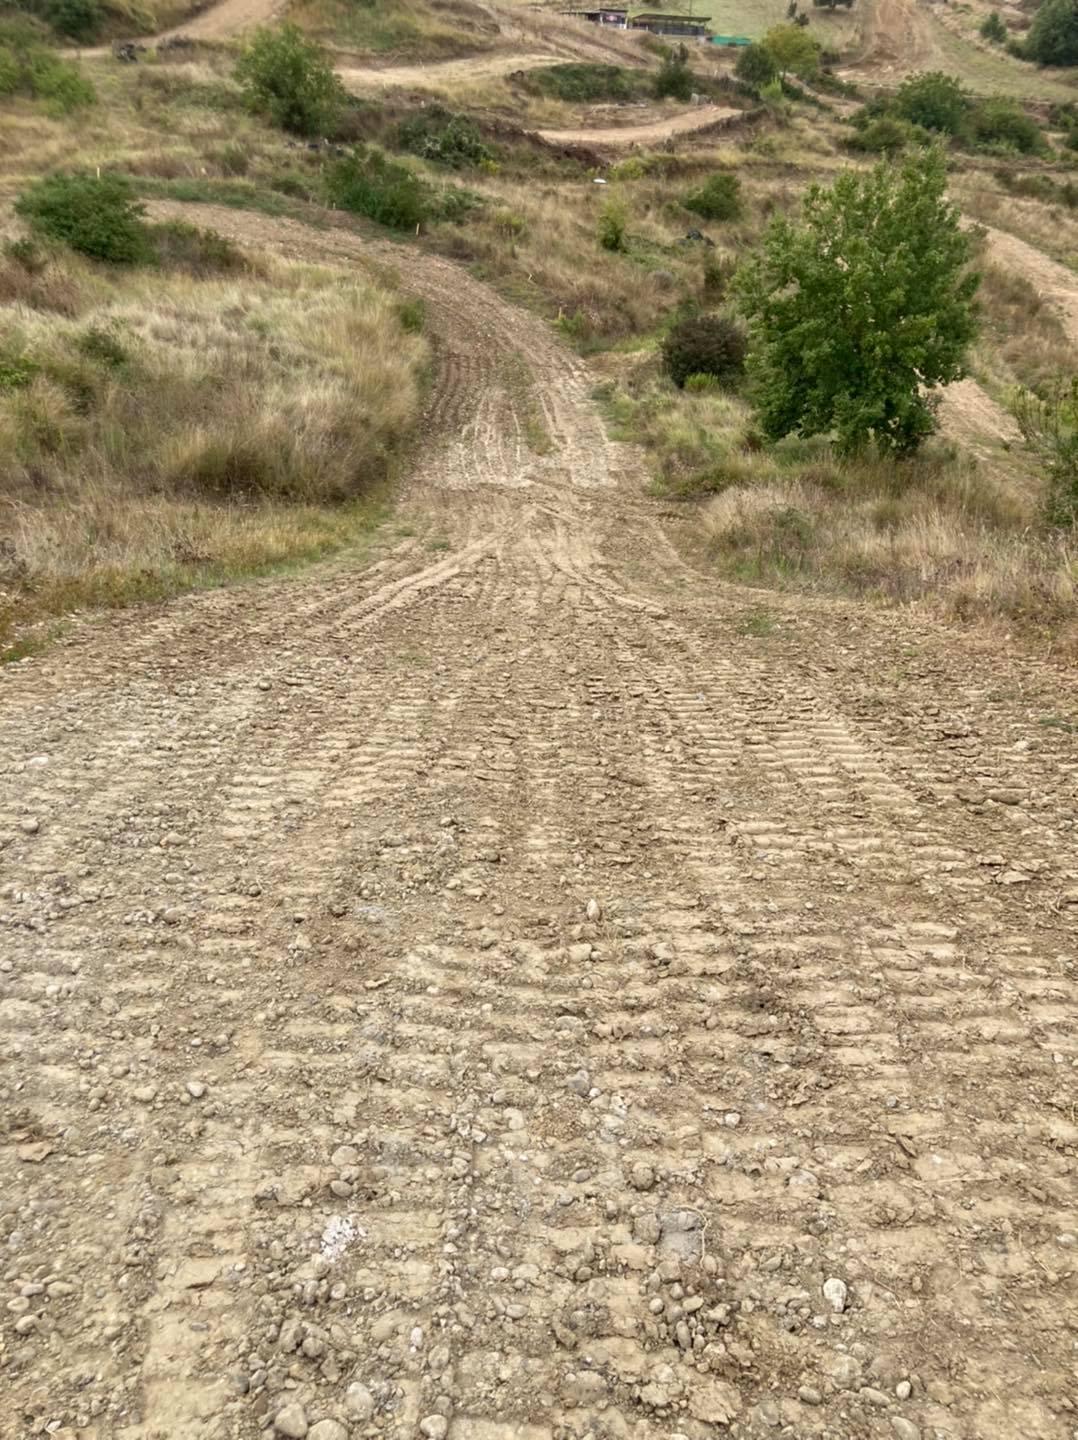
column 174, row 431
column 948, row 531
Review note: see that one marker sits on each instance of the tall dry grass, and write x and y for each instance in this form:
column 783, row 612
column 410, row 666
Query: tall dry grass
column 159, row 430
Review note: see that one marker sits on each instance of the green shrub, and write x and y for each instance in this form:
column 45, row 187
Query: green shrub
column 934, row 101
column 584, row 84
column 886, row 135
column 755, row 66
column 412, row 314
column 613, row 221
column 286, row 76
column 793, row 51
column 28, row 68
column 674, row 80
column 11, row 72
column 368, row 183
column 1003, row 125
column 16, row 370
column 95, row 214
column 60, row 84
column 993, row 28
column 1053, row 36
column 104, row 346
column 78, row 19
column 1050, row 428
column 438, row 135
column 718, row 198
column 181, row 246
column 704, row 345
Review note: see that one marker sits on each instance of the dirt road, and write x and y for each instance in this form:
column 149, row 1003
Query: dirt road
column 651, row 132
column 527, row 990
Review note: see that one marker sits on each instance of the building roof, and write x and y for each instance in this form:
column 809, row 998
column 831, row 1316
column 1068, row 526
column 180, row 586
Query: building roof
column 668, row 15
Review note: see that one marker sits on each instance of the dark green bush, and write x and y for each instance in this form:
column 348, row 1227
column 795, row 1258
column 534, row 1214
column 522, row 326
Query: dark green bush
column 287, row 77
column 718, row 198
column 613, row 222
column 438, row 135
column 95, row 214
column 755, row 66
column 368, row 183
column 78, row 19
column 104, row 346
column 934, row 101
column 704, row 345
column 584, row 84
column 993, row 28
column 1003, row 125
column 886, row 135
column 1053, row 36
column 675, row 80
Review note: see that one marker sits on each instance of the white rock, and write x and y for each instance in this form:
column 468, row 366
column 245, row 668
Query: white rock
column 327, row 1430
column 594, row 910
column 359, row 1402
column 434, row 1427
column 291, row 1421
column 904, row 1429
column 835, row 1293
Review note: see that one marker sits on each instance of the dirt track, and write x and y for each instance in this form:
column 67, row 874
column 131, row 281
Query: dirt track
column 652, row 132
column 506, row 984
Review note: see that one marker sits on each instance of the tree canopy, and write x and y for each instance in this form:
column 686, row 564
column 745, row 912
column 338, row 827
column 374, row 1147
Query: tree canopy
column 857, row 311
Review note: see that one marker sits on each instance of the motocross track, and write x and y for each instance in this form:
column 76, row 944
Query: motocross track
column 330, row 1096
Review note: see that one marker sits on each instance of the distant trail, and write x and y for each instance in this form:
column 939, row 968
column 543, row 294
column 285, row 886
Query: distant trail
column 471, row 67
column 686, row 123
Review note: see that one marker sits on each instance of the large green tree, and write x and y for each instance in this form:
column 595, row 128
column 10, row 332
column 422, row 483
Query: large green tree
column 1053, row 36
column 859, row 310
column 793, row 50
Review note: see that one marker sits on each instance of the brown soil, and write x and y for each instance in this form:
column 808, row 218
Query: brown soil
column 651, row 132
column 322, row 1070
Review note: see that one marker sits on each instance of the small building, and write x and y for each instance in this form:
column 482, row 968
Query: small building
column 616, row 17
column 659, row 22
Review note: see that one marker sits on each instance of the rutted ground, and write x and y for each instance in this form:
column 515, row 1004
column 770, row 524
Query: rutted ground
column 521, row 990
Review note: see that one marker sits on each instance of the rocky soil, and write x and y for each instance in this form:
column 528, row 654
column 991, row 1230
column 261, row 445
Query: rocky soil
column 526, row 990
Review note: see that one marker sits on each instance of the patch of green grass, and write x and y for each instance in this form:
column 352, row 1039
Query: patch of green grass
column 759, row 622
column 585, row 84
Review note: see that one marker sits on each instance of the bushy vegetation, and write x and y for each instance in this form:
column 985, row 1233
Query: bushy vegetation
column 718, row 198
column 755, row 66
column 1065, row 118
column 368, row 183
column 934, row 101
column 937, row 105
column 1053, row 36
column 674, row 80
column 585, row 84
column 287, row 77
column 77, row 19
column 29, row 68
column 993, row 28
column 858, row 311
column 1003, row 125
column 613, row 225
column 793, row 51
column 1049, row 427
column 98, row 215
column 444, row 138
column 704, row 345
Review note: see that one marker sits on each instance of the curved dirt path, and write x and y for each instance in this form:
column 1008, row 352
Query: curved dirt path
column 1054, row 281
column 701, row 117
column 506, row 984
column 468, row 70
